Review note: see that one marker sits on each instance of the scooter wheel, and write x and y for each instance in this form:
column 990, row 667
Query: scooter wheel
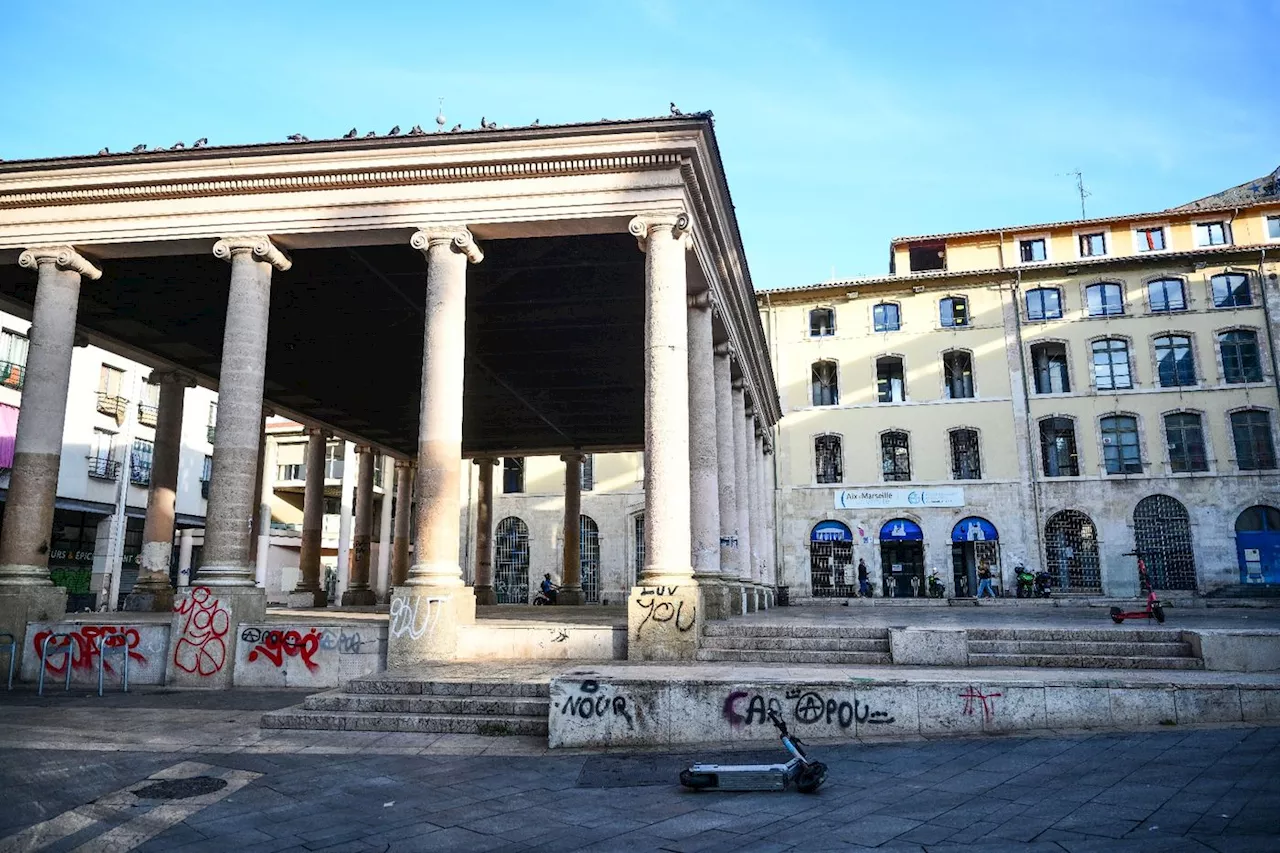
column 697, row 781
column 538, row 602
column 811, row 777
column 1158, row 612
column 1115, row 615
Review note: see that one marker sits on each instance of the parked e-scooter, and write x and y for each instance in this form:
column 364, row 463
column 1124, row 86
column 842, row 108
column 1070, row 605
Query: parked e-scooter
column 801, row 771
column 1153, row 610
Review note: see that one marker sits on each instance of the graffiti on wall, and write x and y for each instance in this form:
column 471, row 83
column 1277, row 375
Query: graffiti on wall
column 416, row 617
column 202, row 647
column 975, row 698
column 84, row 647
column 660, row 611
column 589, row 703
column 277, row 646
column 742, row 708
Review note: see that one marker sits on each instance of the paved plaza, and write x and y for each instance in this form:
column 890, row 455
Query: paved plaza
column 95, row 774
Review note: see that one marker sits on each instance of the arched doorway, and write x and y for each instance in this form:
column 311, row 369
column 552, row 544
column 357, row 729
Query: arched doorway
column 831, row 572
column 1258, row 544
column 974, row 542
column 511, row 561
column 589, row 558
column 1071, row 552
column 1162, row 536
column 902, row 558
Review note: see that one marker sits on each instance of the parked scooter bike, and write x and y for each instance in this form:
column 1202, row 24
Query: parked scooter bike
column 801, row 771
column 1026, row 581
column 1044, row 584
column 937, row 589
column 1153, row 610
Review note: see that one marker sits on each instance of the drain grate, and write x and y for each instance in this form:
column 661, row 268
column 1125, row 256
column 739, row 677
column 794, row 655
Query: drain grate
column 181, row 789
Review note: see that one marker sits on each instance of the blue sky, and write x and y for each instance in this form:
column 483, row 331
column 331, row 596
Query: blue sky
column 842, row 124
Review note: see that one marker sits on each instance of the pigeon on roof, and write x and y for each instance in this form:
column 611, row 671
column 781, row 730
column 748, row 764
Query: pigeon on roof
column 395, row 131
column 417, row 130
column 457, row 127
column 138, row 149
column 201, row 142
column 176, row 146
column 103, row 151
column 297, row 137
column 370, row 134
column 675, row 111
column 350, row 134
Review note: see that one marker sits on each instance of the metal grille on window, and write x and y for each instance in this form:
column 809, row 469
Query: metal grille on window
column 895, row 456
column 1111, row 364
column 589, row 558
column 1251, row 433
column 1174, row 362
column 639, row 564
column 1071, row 551
column 1240, row 360
column 957, row 372
column 965, row 461
column 1058, row 448
column 511, row 562
column 826, row 390
column 1050, row 363
column 832, row 573
column 1121, row 453
column 1184, row 435
column 140, row 462
column 588, row 472
column 822, row 322
column 828, row 459
column 1162, row 538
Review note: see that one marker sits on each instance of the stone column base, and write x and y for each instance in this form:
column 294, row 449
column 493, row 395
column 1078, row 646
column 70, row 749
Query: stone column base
column 359, row 598
column 149, row 599
column 308, row 598
column 22, row 604
column 486, row 595
column 664, row 619
column 716, row 597
column 206, row 628
column 424, row 623
column 752, row 598
column 571, row 596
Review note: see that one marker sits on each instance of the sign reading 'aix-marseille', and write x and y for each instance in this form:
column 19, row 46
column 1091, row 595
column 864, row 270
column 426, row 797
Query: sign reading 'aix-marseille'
column 895, row 498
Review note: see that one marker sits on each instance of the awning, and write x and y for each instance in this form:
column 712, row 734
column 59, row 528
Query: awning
column 974, row 529
column 901, row 530
column 830, row 531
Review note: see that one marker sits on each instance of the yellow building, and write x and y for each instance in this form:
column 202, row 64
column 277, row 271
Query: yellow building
column 1054, row 395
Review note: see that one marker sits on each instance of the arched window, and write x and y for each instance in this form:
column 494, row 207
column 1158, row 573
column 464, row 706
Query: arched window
column 822, row 322
column 1184, row 436
column 1121, row 452
column 588, row 472
column 1175, row 365
column 895, row 456
column 890, row 381
column 589, row 558
column 1071, row 551
column 1044, row 303
column 1058, row 448
column 953, row 311
column 511, row 561
column 1111, row 364
column 1049, row 360
column 831, row 571
column 1162, row 538
column 1231, row 290
column 1240, row 359
column 1251, row 434
column 826, row 388
column 966, row 462
column 1104, row 300
column 828, row 459
column 638, row 527
column 886, row 317
column 957, row 374
column 512, row 475
column 1167, row 294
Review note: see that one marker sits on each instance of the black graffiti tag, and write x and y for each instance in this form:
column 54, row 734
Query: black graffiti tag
column 594, row 706
column 661, row 612
column 811, row 708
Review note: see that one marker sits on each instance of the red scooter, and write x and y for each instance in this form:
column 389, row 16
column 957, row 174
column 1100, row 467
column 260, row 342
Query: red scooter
column 1153, row 611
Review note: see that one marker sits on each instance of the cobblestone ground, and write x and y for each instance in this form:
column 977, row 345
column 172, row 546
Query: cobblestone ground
column 1210, row 789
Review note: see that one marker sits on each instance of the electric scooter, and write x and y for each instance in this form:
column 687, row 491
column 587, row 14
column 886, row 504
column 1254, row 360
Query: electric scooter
column 801, row 771
column 1153, row 610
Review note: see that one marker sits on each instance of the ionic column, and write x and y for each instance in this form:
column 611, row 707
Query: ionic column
column 755, row 449
column 484, row 532
column 740, row 454
column 426, row 611
column 346, row 515
column 382, row 581
column 359, row 593
column 404, row 514
column 571, row 574
column 704, row 464
column 727, row 481
column 310, row 592
column 769, row 491
column 153, row 591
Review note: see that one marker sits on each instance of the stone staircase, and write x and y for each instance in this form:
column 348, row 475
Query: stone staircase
column 1102, row 648
column 820, row 644
column 379, row 704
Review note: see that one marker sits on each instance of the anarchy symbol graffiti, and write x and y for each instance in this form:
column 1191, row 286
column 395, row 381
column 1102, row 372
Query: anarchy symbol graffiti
column 810, row 708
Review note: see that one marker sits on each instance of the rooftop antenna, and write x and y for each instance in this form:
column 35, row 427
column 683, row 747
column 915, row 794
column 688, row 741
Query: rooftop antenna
column 1080, row 189
column 440, row 119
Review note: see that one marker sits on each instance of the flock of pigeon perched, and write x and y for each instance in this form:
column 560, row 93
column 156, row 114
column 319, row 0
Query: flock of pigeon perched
column 353, row 133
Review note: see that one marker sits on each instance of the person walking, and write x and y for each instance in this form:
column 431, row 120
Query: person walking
column 984, row 581
column 864, row 586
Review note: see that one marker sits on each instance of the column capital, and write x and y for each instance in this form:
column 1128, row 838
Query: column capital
column 458, row 237
column 738, row 384
column 259, row 246
column 363, row 448
column 403, row 464
column 648, row 223
column 172, row 375
column 64, row 257
column 723, row 349
column 572, row 456
column 481, row 460
column 318, row 431
column 701, row 300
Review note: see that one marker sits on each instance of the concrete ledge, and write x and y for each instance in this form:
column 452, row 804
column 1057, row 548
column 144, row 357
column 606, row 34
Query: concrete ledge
column 1239, row 651
column 307, row 654
column 495, row 641
column 147, row 641
column 929, row 646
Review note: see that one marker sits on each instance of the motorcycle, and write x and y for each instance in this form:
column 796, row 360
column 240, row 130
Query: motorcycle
column 937, row 589
column 542, row 599
column 1026, row 581
column 1044, row 584
column 801, row 771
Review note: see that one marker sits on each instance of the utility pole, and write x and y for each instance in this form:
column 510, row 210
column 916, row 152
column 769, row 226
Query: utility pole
column 1080, row 189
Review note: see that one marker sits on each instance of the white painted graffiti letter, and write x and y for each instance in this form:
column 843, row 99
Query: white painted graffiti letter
column 417, row 617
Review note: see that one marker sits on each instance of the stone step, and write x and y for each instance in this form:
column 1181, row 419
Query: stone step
column 372, row 685
column 1079, row 647
column 793, row 656
column 1086, row 661
column 507, row 706
column 812, row 632
column 1102, row 634
column 365, row 721
column 804, row 644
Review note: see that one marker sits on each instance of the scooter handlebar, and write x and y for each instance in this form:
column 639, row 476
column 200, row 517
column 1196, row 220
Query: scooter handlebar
column 778, row 723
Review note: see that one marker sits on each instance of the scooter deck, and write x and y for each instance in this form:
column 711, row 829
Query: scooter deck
column 746, row 777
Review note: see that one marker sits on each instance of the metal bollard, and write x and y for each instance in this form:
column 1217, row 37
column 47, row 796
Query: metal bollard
column 69, row 645
column 102, row 645
column 13, row 653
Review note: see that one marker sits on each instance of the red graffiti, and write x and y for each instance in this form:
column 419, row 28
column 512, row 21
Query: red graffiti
column 84, row 647
column 277, row 645
column 988, row 706
column 731, row 710
column 201, row 649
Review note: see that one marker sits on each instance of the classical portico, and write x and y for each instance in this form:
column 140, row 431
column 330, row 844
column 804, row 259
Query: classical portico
column 534, row 291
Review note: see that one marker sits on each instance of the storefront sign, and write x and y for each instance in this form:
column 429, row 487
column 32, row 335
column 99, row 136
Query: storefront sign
column 830, row 531
column 899, row 498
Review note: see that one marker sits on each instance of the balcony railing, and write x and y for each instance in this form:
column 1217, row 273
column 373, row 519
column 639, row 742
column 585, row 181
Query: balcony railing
column 104, row 468
column 211, row 432
column 13, row 375
column 113, row 407
column 204, row 489
column 291, row 473
column 139, row 474
column 148, row 415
